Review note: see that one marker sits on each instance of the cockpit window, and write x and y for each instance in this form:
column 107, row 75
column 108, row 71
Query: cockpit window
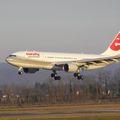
column 12, row 55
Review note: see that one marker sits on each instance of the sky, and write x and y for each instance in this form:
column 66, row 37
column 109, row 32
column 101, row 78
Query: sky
column 77, row 26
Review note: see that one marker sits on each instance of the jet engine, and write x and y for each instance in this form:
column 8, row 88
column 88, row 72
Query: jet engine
column 70, row 67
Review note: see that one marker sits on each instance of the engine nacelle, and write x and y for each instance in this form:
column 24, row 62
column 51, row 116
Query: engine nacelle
column 30, row 70
column 70, row 67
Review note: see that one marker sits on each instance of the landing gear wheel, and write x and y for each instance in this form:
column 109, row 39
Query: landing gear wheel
column 52, row 75
column 80, row 77
column 57, row 78
column 76, row 74
column 20, row 72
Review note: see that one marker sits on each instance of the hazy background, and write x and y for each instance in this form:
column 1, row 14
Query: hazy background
column 86, row 26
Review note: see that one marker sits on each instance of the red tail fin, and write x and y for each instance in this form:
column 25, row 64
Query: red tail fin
column 114, row 48
column 116, row 43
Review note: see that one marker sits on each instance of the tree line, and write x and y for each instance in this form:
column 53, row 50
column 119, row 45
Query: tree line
column 104, row 87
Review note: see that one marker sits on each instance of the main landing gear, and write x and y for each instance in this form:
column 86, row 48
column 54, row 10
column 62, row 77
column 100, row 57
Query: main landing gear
column 55, row 76
column 78, row 76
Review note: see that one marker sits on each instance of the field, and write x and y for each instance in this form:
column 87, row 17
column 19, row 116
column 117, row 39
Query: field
column 62, row 112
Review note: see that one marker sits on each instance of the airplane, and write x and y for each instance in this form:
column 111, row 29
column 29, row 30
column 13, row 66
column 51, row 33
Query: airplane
column 33, row 61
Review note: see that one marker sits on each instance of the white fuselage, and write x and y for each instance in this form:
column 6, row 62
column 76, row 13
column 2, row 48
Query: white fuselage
column 47, row 60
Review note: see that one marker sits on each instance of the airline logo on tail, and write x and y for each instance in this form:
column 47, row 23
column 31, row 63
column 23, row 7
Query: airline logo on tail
column 115, row 46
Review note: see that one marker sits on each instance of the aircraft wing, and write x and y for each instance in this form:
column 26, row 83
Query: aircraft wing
column 97, row 61
column 90, row 62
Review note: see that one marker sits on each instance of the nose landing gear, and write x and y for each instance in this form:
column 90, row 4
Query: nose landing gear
column 20, row 71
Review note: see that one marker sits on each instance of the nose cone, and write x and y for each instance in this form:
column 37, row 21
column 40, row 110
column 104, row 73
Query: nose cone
column 8, row 59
